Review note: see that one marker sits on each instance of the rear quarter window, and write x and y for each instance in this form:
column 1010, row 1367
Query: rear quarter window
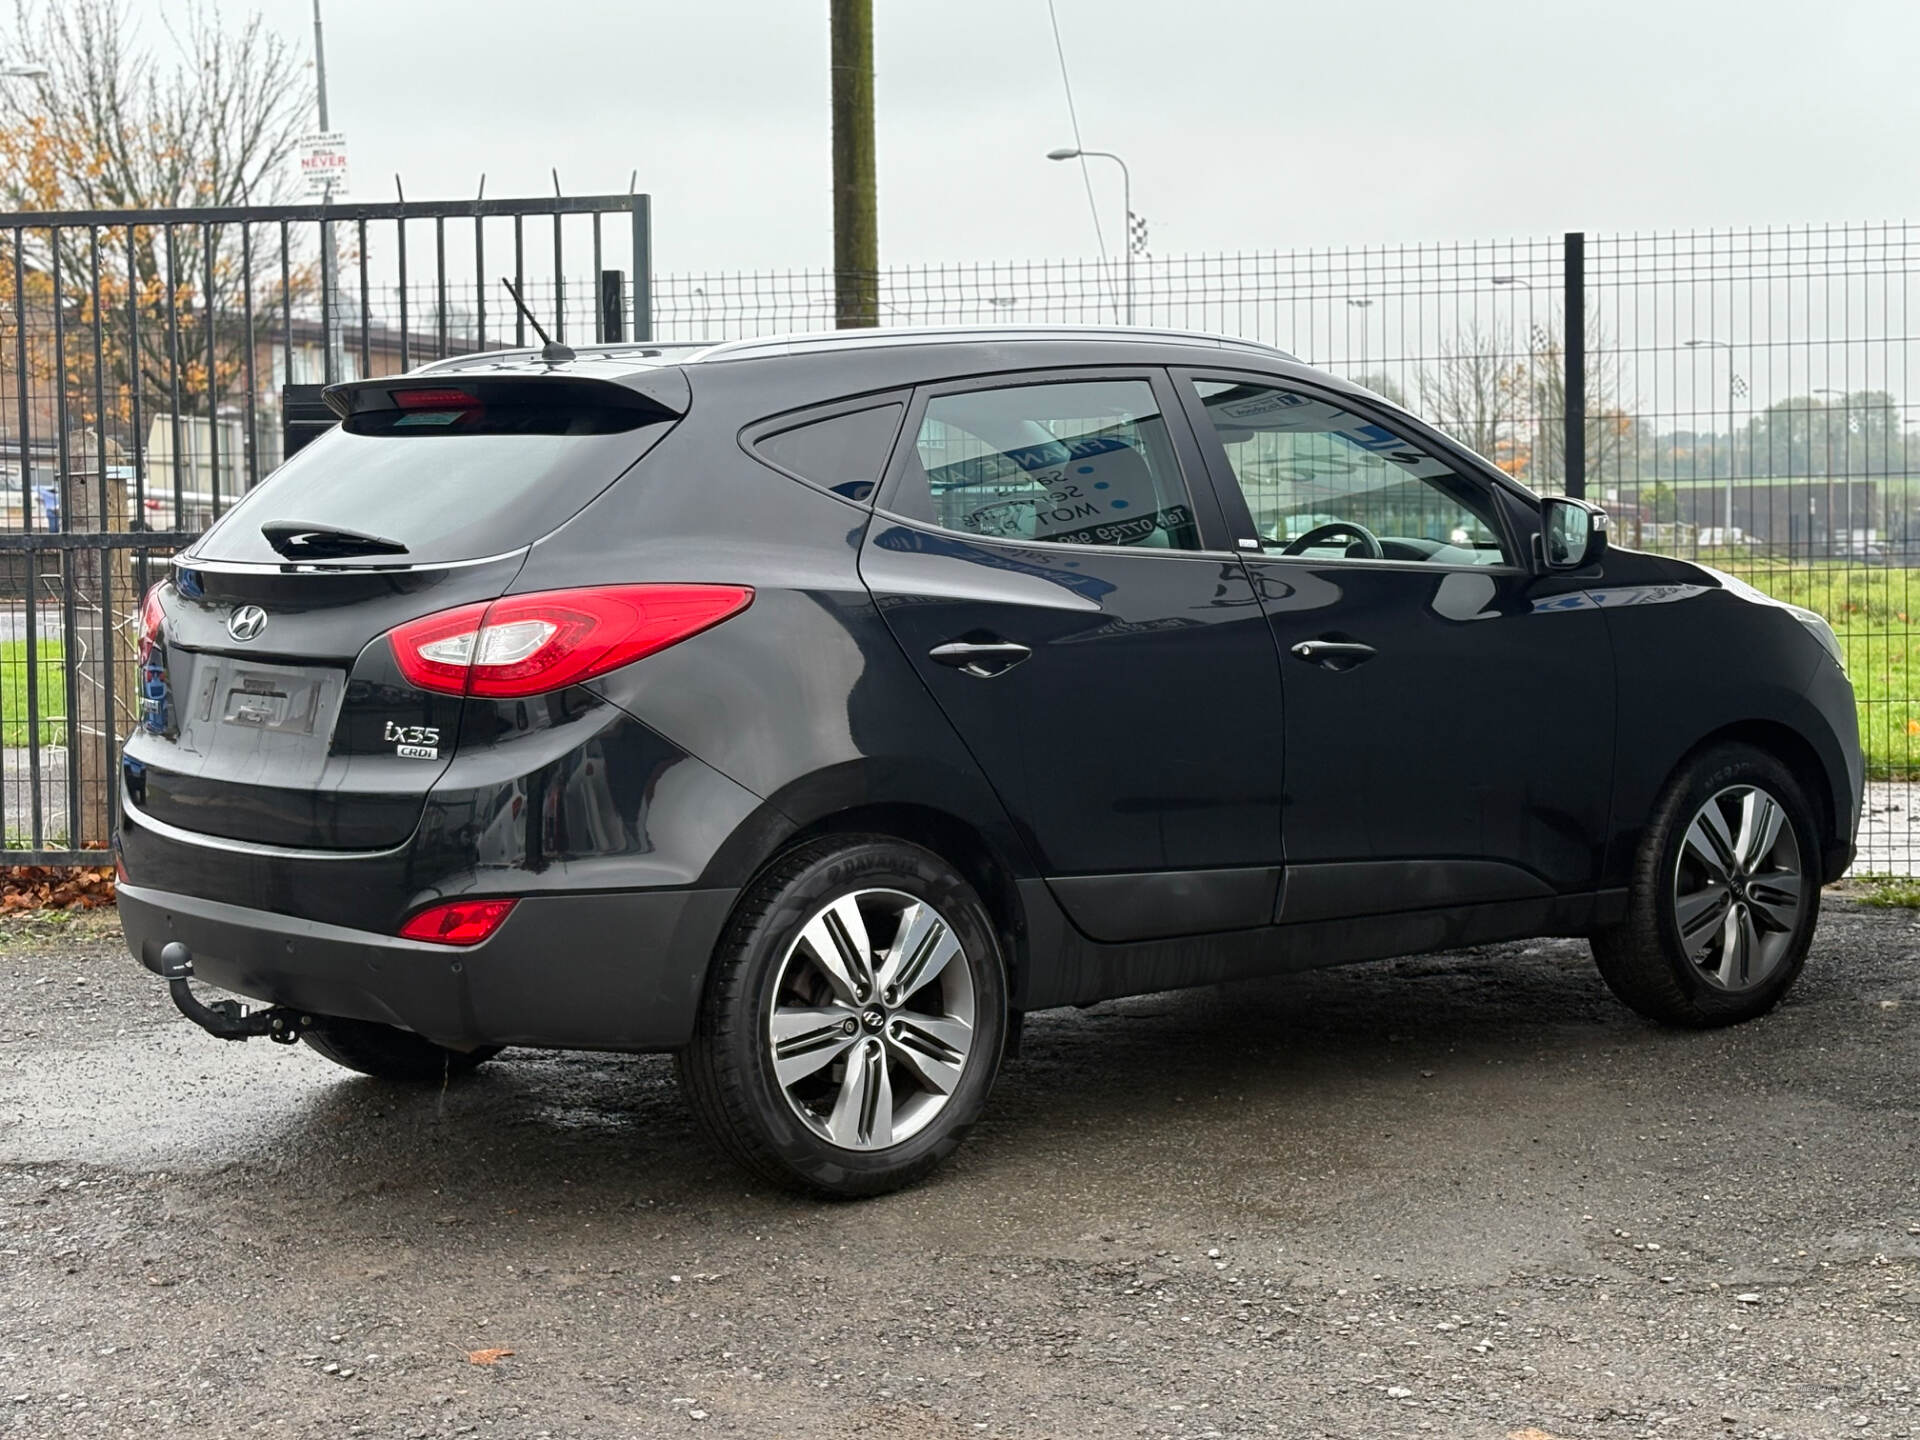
column 844, row 453
column 450, row 473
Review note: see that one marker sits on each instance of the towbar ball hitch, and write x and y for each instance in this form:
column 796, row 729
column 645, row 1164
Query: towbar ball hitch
column 228, row 1019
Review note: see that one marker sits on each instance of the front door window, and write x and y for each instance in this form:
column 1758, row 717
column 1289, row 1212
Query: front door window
column 1327, row 482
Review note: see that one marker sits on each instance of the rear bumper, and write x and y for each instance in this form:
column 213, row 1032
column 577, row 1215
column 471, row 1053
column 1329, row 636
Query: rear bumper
column 615, row 971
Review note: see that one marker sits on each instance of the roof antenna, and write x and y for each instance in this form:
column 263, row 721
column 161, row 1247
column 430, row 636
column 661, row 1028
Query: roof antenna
column 550, row 351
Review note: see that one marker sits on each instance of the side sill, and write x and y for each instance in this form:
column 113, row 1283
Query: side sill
column 1154, row 905
column 1065, row 967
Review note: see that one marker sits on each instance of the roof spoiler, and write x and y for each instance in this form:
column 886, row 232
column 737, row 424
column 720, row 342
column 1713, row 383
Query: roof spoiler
column 663, row 392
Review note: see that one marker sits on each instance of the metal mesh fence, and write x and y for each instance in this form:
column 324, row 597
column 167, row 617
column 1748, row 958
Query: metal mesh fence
column 145, row 361
column 1746, row 395
column 1743, row 398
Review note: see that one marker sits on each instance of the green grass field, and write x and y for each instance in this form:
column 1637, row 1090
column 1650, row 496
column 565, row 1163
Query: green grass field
column 1876, row 613
column 51, row 657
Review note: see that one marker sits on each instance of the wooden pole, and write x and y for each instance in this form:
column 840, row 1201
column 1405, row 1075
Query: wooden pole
column 856, row 220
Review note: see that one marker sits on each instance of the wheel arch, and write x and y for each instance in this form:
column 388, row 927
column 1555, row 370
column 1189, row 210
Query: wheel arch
column 1803, row 760
column 954, row 840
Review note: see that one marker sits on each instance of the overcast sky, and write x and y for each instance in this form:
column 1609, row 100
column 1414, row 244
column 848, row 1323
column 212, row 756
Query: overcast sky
column 1249, row 124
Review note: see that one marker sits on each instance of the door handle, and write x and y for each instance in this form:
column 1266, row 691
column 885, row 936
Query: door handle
column 982, row 659
column 1334, row 653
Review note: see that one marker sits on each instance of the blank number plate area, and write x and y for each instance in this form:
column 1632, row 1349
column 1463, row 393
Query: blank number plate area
column 277, row 699
column 264, row 724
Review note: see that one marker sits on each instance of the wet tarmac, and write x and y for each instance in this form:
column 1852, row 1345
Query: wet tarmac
column 1464, row 1196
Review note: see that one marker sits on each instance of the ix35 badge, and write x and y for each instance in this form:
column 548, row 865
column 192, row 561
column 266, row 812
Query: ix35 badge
column 415, row 742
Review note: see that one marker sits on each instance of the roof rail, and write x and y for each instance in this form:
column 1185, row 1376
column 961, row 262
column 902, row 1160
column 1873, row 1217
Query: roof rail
column 941, row 334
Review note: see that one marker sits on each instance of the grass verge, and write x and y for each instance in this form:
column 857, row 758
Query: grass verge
column 50, row 657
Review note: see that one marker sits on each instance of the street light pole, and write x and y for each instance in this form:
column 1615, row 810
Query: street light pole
column 329, row 261
column 1068, row 152
column 1732, row 381
column 1362, row 304
column 1846, row 480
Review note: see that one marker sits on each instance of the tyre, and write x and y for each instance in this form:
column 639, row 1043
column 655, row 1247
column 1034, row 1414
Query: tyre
column 390, row 1053
column 1724, row 894
column 853, row 1020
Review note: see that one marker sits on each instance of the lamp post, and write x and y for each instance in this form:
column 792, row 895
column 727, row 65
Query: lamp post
column 1733, row 380
column 335, row 358
column 1069, row 152
column 1846, row 480
column 1362, row 303
column 28, row 70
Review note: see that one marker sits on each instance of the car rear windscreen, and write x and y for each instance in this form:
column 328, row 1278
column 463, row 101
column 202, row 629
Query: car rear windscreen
column 445, row 473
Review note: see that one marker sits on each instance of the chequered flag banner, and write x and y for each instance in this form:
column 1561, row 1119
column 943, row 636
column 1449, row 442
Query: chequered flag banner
column 1137, row 233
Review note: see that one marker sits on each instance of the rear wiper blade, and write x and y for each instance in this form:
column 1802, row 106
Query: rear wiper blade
column 299, row 541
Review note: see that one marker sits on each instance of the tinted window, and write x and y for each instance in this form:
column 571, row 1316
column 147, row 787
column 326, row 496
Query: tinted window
column 1085, row 462
column 1311, row 469
column 452, row 482
column 843, row 453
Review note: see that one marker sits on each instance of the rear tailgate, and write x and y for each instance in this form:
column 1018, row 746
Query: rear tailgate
column 273, row 710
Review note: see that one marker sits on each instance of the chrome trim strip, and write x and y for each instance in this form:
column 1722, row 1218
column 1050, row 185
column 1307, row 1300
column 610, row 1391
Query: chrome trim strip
column 247, row 847
column 186, row 561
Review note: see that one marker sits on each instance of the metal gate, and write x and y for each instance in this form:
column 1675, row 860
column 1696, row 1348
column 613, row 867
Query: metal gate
column 145, row 360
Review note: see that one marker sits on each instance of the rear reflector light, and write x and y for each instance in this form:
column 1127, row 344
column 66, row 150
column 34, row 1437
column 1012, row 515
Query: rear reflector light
column 530, row 644
column 459, row 922
column 434, row 399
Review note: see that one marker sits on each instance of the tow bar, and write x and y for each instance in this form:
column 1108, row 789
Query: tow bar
column 228, row 1019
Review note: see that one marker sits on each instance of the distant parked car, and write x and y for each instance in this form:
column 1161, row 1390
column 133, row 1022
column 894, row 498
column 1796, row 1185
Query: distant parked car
column 814, row 708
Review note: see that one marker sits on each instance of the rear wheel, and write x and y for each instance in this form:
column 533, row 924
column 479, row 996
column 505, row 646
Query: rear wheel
column 390, row 1053
column 853, row 1021
column 1724, row 895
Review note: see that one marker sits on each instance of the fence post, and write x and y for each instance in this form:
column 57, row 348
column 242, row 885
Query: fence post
column 1574, row 390
column 613, row 306
column 643, row 267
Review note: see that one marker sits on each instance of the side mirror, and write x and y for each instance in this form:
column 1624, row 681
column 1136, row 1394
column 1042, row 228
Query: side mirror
column 1573, row 534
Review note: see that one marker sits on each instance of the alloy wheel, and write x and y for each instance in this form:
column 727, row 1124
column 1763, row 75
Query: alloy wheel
column 873, row 1019
column 1737, row 888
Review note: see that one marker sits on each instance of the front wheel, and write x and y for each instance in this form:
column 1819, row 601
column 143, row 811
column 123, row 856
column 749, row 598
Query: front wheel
column 1724, row 895
column 853, row 1022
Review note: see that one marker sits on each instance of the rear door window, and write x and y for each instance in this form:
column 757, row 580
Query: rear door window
column 1084, row 462
column 449, row 472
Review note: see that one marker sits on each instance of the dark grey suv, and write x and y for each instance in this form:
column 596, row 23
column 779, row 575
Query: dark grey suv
column 814, row 708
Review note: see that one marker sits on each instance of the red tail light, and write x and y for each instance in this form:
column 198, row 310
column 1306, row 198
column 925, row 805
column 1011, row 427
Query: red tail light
column 458, row 922
column 152, row 618
column 531, row 644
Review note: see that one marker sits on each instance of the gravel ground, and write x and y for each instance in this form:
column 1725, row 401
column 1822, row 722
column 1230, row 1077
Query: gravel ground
column 1461, row 1196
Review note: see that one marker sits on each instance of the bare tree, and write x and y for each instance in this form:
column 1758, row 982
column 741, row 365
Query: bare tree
column 114, row 126
column 1383, row 385
column 97, row 316
column 209, row 119
column 1475, row 391
column 1611, row 429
